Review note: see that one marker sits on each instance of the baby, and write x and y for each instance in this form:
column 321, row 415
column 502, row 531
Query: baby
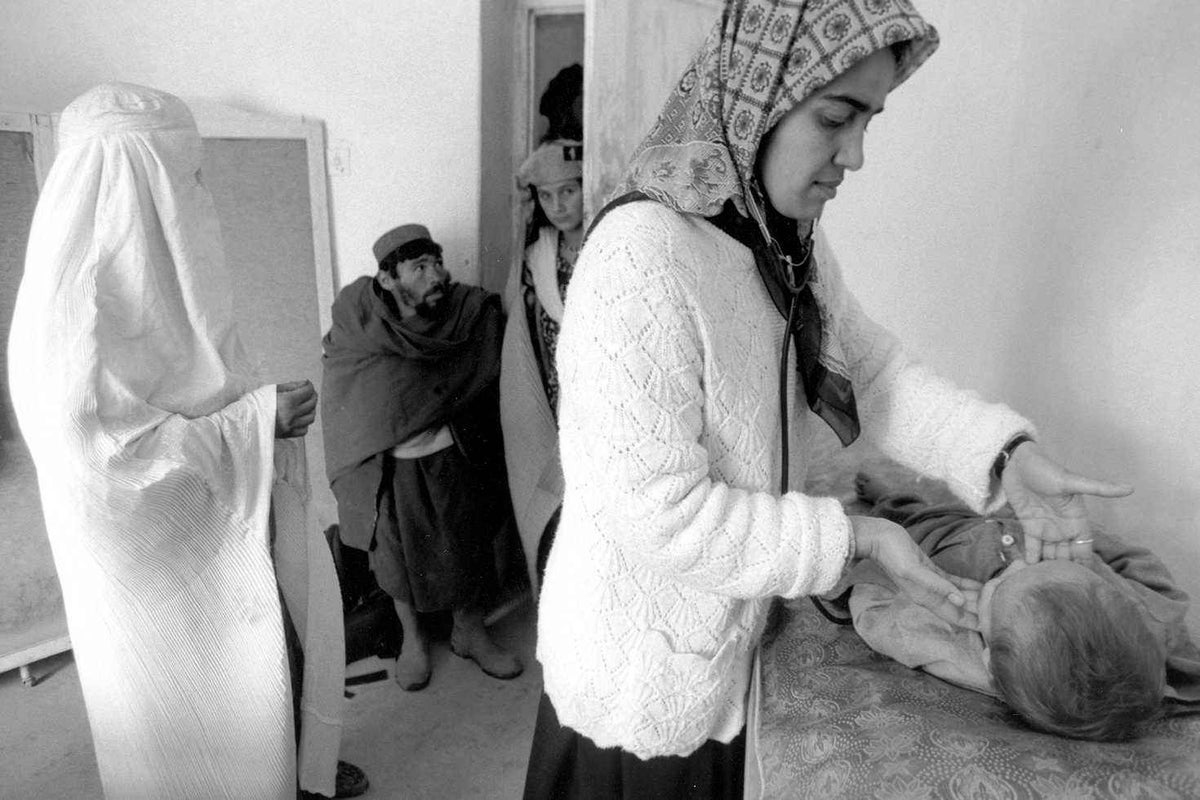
column 1086, row 650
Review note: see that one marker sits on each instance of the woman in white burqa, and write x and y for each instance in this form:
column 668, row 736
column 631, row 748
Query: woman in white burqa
column 157, row 459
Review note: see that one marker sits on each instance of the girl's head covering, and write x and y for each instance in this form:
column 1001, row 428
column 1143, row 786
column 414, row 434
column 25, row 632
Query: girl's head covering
column 554, row 161
column 761, row 59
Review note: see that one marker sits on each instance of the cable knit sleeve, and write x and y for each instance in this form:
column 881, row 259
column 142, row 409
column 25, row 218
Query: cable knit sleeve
column 664, row 447
column 916, row 417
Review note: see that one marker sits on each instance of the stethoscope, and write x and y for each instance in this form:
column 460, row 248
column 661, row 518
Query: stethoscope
column 793, row 269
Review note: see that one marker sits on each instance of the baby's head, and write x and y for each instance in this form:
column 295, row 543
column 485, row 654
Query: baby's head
column 1069, row 652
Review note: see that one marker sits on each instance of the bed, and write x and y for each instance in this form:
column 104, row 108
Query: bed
column 833, row 719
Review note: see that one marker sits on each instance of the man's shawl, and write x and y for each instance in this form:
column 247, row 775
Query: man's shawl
column 387, row 379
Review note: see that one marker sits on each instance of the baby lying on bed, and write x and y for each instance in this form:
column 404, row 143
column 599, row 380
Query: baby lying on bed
column 1086, row 651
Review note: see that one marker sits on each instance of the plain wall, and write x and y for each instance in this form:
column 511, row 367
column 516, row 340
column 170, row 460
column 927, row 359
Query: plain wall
column 396, row 83
column 1029, row 222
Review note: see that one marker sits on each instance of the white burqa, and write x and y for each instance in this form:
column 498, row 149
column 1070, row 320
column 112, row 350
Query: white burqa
column 157, row 463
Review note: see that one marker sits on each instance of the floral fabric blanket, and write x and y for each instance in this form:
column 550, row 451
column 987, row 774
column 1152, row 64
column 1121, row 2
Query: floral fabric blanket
column 837, row 720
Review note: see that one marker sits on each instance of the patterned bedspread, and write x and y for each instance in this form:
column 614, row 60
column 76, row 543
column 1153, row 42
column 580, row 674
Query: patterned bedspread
column 839, row 721
column 836, row 720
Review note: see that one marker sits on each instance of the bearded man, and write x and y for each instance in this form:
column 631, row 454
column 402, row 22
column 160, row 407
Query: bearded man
column 410, row 400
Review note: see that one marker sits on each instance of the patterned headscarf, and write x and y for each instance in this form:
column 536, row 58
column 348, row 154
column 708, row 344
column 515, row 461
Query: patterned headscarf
column 761, row 59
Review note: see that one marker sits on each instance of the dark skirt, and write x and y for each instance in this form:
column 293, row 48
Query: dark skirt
column 436, row 529
column 565, row 765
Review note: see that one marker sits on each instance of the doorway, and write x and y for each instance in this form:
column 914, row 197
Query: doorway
column 526, row 44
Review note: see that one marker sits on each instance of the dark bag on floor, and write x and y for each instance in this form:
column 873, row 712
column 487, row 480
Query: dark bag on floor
column 372, row 627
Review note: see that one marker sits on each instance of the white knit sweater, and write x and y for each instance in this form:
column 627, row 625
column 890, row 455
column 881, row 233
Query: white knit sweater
column 673, row 538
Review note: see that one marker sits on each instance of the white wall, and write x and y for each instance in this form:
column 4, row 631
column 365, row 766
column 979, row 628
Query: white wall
column 395, row 81
column 1029, row 222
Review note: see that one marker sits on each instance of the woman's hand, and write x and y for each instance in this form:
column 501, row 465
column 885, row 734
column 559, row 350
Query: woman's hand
column 1048, row 500
column 295, row 408
column 953, row 598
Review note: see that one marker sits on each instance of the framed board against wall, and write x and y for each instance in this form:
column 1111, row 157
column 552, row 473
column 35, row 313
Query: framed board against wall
column 268, row 181
column 31, row 618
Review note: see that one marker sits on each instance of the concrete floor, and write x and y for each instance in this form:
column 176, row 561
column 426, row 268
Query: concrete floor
column 464, row 736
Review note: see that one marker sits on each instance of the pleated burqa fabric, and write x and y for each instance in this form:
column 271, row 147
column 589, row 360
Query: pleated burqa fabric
column 155, row 452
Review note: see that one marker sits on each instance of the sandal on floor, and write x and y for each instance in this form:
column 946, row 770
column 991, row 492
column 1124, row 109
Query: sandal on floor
column 351, row 781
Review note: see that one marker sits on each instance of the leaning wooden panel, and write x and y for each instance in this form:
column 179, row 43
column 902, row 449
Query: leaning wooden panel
column 268, row 180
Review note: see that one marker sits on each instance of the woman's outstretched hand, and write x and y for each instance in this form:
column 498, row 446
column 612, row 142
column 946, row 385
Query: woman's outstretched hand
column 295, row 408
column 1048, row 500
column 953, row 598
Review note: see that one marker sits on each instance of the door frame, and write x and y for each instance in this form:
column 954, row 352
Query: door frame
column 524, row 112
